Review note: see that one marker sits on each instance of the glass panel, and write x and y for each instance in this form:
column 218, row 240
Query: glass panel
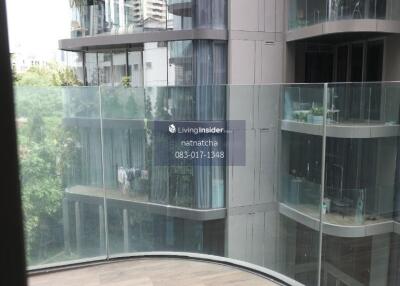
column 375, row 61
column 154, row 15
column 357, row 57
column 301, row 175
column 180, row 59
column 155, row 64
column 180, row 14
column 393, row 9
column 342, row 63
column 360, row 184
column 310, row 12
column 298, row 14
column 391, row 106
column 361, row 104
column 133, row 179
column 303, row 104
column 92, row 17
column 71, row 159
column 54, row 126
column 135, row 68
column 301, row 169
column 92, row 76
column 105, row 68
column 356, row 190
column 316, row 11
column 347, row 261
column 119, row 70
column 75, row 64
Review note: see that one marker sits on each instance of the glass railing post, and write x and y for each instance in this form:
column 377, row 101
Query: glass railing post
column 325, row 109
column 107, row 252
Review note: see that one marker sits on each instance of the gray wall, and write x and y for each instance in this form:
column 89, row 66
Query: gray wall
column 256, row 56
column 256, row 41
column 252, row 189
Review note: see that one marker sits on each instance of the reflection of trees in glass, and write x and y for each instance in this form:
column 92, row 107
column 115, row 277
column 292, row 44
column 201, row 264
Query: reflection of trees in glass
column 122, row 102
column 149, row 141
column 45, row 149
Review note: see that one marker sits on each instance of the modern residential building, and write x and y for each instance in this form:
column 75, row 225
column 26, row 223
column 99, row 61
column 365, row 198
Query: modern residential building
column 352, row 46
column 277, row 65
column 168, row 48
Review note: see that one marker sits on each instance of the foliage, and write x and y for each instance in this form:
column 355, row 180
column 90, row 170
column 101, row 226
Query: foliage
column 126, row 81
column 35, row 76
column 40, row 175
column 162, row 105
column 49, row 75
column 301, row 116
column 44, row 144
column 317, row 111
column 15, row 75
column 65, row 77
column 122, row 103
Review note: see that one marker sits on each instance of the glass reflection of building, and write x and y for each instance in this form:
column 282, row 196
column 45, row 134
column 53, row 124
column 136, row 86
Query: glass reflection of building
column 358, row 208
column 180, row 208
column 268, row 212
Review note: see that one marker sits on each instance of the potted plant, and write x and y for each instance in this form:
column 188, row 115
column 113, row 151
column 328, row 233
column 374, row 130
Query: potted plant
column 126, row 81
column 300, row 116
column 317, row 114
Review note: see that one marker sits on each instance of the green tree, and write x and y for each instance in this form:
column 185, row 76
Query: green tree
column 44, row 146
column 45, row 76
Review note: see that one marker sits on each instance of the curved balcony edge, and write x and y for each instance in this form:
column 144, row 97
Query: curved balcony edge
column 343, row 130
column 347, row 231
column 344, row 26
column 123, row 40
column 155, row 208
column 181, row 8
column 241, row 265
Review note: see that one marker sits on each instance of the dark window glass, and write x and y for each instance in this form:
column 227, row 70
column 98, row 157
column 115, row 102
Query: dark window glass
column 374, row 61
column 341, row 70
column 357, row 54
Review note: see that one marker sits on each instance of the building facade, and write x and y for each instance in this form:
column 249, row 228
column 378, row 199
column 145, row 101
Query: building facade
column 277, row 65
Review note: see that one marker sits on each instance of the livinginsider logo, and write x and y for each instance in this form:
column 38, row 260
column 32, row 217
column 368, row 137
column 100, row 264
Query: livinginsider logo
column 172, row 129
column 195, row 130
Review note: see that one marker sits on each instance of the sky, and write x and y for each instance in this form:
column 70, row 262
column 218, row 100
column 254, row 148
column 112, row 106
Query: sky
column 35, row 26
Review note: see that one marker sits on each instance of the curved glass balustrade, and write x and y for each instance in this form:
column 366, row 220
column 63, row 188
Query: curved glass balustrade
column 93, row 187
column 303, row 13
column 98, row 17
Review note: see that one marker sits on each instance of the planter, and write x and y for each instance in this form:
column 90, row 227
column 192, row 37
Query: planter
column 318, row 119
column 310, row 118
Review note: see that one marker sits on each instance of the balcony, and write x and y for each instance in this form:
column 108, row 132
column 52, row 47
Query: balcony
column 300, row 178
column 159, row 270
column 130, row 18
column 358, row 121
column 307, row 18
column 368, row 110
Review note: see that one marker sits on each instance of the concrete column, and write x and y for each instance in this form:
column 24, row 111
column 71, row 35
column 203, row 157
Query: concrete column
column 78, row 227
column 67, row 237
column 125, row 226
column 101, row 230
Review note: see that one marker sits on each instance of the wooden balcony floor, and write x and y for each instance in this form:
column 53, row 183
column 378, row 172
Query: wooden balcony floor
column 151, row 272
